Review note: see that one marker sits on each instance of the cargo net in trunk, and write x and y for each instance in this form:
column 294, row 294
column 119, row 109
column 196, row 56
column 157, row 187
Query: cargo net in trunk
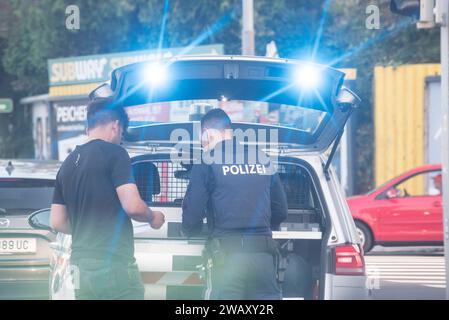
column 169, row 184
column 296, row 186
column 173, row 183
column 162, row 182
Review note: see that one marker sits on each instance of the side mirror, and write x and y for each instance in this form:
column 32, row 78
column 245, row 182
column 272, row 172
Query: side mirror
column 102, row 91
column 392, row 193
column 2, row 211
column 40, row 220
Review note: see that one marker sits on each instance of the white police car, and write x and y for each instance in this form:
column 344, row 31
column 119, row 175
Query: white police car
column 296, row 111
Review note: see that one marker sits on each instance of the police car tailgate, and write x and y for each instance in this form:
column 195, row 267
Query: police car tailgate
column 170, row 264
column 314, row 111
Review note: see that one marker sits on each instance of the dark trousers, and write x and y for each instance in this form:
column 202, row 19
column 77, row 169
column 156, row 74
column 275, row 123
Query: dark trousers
column 114, row 281
column 243, row 276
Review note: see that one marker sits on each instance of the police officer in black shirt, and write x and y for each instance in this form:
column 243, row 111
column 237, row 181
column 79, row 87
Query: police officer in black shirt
column 94, row 199
column 237, row 189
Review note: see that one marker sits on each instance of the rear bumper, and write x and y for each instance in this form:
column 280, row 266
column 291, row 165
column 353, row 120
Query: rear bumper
column 30, row 282
column 348, row 287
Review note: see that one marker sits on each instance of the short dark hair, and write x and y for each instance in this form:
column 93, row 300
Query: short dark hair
column 216, row 119
column 102, row 111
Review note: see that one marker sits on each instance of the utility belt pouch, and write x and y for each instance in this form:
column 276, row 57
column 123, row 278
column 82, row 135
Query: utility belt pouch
column 281, row 267
column 281, row 261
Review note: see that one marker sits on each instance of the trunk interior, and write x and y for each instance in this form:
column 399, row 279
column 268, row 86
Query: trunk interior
column 166, row 186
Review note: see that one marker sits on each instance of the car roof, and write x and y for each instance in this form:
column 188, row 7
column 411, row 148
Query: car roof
column 423, row 168
column 427, row 167
column 28, row 168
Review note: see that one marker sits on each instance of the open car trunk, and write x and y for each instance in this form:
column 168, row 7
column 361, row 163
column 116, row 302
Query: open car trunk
column 163, row 183
column 165, row 101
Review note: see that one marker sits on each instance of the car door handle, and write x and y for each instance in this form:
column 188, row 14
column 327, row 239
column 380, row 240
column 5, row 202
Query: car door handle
column 437, row 204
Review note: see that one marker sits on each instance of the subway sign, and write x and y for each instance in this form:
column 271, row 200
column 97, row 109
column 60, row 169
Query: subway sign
column 97, row 68
column 6, row 106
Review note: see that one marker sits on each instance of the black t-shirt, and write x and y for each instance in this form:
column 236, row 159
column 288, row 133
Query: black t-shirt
column 86, row 184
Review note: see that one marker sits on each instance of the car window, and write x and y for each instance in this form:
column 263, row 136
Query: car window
column 423, row 184
column 299, row 118
column 23, row 196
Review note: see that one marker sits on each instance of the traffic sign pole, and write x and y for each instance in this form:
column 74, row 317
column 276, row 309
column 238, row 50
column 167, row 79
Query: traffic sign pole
column 442, row 16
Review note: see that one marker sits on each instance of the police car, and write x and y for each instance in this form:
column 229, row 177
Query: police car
column 295, row 110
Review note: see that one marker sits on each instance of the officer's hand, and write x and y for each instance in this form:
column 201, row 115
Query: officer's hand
column 158, row 220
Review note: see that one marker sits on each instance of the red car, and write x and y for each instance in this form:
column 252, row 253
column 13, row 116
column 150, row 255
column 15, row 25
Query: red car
column 406, row 210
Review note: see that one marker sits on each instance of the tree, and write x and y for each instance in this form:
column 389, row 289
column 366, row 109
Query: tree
column 335, row 28
column 12, row 144
column 397, row 41
column 40, row 32
column 37, row 32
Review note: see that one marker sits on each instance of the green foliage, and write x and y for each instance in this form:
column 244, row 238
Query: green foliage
column 398, row 41
column 106, row 26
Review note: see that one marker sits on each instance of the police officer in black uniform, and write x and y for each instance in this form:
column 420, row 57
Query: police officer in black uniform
column 238, row 191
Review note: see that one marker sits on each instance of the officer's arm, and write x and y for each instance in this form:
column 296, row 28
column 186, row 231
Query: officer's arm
column 279, row 207
column 195, row 200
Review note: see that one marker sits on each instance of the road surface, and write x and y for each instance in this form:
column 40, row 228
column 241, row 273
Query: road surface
column 406, row 273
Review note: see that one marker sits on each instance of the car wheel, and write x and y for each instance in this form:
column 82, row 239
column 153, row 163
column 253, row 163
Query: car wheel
column 366, row 238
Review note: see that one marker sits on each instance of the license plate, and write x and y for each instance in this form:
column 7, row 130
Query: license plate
column 17, row 245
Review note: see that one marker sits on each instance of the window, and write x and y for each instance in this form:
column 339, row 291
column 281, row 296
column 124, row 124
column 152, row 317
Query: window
column 296, row 117
column 23, row 196
column 420, row 185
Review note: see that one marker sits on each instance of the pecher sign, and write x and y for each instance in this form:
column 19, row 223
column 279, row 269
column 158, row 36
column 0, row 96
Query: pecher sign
column 97, row 68
column 70, row 116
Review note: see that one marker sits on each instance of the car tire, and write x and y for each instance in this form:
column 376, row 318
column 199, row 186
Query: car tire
column 366, row 236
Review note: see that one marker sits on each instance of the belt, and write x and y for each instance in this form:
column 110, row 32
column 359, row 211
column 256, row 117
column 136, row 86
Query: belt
column 248, row 244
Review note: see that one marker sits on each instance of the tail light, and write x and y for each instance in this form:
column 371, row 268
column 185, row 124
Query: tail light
column 349, row 260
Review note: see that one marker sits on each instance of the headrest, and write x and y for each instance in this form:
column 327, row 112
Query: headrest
column 147, row 179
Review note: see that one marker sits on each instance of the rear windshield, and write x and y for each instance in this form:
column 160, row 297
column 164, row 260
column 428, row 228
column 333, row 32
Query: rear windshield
column 23, row 196
column 303, row 119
